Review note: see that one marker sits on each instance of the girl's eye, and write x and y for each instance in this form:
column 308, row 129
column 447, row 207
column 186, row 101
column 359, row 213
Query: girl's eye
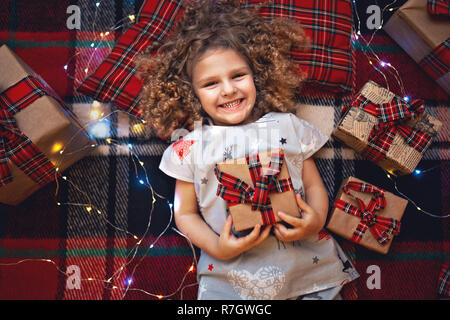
column 209, row 84
column 239, row 75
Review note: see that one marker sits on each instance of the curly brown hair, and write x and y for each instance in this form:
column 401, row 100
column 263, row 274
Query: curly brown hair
column 168, row 98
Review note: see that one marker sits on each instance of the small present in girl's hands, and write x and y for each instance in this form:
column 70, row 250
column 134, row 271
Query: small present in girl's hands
column 228, row 74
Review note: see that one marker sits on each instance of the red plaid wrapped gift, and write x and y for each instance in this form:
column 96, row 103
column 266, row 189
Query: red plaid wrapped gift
column 255, row 187
column 328, row 63
column 34, row 129
column 373, row 209
column 424, row 37
column 439, row 7
column 386, row 129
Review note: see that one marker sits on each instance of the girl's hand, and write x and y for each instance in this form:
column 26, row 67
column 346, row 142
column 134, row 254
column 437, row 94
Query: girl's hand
column 229, row 246
column 310, row 223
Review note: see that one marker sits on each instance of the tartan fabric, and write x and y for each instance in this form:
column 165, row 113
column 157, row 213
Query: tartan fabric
column 328, row 24
column 437, row 62
column 70, row 236
column 392, row 117
column 15, row 146
column 382, row 228
column 328, row 62
column 235, row 191
column 115, row 80
column 438, row 7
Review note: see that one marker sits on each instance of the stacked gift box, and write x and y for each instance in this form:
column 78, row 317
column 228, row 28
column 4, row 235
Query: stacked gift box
column 386, row 129
column 424, row 35
column 39, row 136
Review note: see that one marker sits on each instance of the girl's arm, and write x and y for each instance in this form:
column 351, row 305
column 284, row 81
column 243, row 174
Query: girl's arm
column 314, row 210
column 190, row 223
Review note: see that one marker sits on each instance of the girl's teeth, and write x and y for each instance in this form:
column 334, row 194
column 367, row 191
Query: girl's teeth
column 233, row 104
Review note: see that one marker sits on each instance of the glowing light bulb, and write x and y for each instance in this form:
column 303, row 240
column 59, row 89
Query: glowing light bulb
column 417, row 171
column 94, row 114
column 57, row 147
column 100, row 130
column 131, row 17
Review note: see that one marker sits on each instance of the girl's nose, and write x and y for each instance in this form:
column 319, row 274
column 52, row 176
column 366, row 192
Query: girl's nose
column 228, row 88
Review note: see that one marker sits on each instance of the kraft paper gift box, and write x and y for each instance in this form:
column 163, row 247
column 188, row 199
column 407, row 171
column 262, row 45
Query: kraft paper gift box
column 241, row 200
column 354, row 228
column 35, row 128
column 387, row 130
column 425, row 37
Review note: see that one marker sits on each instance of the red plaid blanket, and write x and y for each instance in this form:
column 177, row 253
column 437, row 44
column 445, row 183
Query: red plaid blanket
column 45, row 248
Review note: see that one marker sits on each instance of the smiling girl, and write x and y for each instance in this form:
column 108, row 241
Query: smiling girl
column 230, row 69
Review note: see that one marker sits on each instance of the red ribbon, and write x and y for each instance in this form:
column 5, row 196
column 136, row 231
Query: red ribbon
column 392, row 118
column 15, row 146
column 236, row 191
column 382, row 228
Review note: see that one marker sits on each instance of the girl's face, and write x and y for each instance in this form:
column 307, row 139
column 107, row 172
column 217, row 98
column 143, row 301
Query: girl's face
column 223, row 82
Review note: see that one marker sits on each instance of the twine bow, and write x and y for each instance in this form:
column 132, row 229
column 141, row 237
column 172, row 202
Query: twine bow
column 382, row 228
column 236, row 191
column 392, row 117
column 15, row 146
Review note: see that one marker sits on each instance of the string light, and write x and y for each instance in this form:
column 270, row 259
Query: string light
column 132, row 254
column 370, row 54
column 371, row 57
column 57, row 147
column 95, row 115
column 391, row 177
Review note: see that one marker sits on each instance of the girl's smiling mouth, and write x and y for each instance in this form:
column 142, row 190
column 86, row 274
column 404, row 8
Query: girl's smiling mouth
column 233, row 105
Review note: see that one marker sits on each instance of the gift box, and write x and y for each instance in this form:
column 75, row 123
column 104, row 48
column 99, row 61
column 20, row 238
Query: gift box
column 366, row 215
column 39, row 136
column 386, row 129
column 255, row 188
column 425, row 37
